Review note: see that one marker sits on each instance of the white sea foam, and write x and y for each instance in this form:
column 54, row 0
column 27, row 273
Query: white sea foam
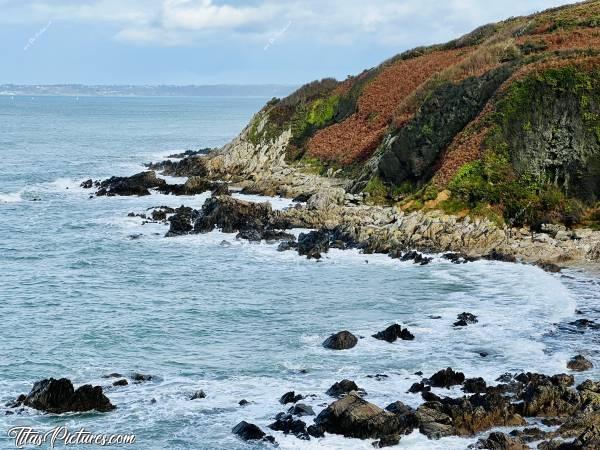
column 12, row 197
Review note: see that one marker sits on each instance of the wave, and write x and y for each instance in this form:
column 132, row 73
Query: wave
column 13, row 197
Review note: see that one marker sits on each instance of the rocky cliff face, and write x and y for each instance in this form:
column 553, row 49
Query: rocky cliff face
column 505, row 120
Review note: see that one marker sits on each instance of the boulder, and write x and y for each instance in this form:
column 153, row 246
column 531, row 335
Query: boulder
column 231, row 215
column 138, row 184
column 122, row 382
column 394, row 332
column 344, row 387
column 288, row 425
column 250, row 432
column 547, row 396
column 446, row 378
column 354, row 417
column 182, row 222
column 343, row 340
column 290, row 397
column 475, row 385
column 407, row 415
column 326, row 199
column 59, row 396
column 198, row 395
column 579, row 364
column 140, row 377
column 300, row 409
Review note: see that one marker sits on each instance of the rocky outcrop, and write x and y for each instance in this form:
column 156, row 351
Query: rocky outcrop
column 446, row 378
column 341, row 388
column 250, row 432
column 394, row 332
column 500, row 441
column 138, row 184
column 59, row 396
column 579, row 364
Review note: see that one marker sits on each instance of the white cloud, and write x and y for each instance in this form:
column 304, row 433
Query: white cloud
column 338, row 22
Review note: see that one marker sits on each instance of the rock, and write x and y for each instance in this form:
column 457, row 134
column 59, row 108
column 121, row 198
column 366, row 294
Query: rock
column 59, row 396
column 316, row 431
column 231, row 215
column 219, row 189
column 352, row 416
column 387, row 441
column 548, row 267
column 530, row 434
column 290, row 397
column 113, row 375
column 407, row 415
column 343, row 387
column 289, row 425
column 300, row 409
column 137, row 184
column 585, row 323
column 393, row 332
column 500, row 441
column 122, row 382
column 579, row 364
column 287, row 245
column 418, row 387
column 545, row 396
column 196, row 185
column 250, row 432
column 17, row 402
column 87, row 184
column 182, row 222
column 497, row 256
column 313, row 244
column 465, row 319
column 198, row 395
column 475, row 385
column 343, row 340
column 434, row 423
column 446, row 378
column 140, row 377
column 326, row 199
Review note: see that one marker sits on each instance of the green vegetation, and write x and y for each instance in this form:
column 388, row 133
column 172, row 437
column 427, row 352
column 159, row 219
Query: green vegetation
column 377, row 190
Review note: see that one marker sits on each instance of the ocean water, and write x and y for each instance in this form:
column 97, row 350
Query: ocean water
column 86, row 291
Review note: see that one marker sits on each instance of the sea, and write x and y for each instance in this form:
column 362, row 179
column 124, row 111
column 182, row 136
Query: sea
column 86, row 291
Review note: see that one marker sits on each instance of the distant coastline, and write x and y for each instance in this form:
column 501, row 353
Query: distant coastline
column 80, row 90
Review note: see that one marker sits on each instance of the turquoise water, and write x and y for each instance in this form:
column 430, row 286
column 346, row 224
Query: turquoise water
column 81, row 297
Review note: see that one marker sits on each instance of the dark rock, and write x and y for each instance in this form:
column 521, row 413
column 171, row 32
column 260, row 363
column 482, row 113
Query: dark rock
column 159, row 214
column 378, row 376
column 287, row 245
column 407, row 415
column 300, row 409
column 447, row 378
column 290, row 397
column 343, row 387
column 193, row 165
column 418, row 387
column 549, row 267
column 316, row 431
column 220, row 189
column 497, row 256
column 352, row 416
column 231, row 215
column 340, row 341
column 59, row 396
column 140, row 377
column 547, row 396
column 387, row 441
column 465, row 319
column 122, row 382
column 243, row 402
column 17, row 402
column 393, row 332
column 182, row 222
column 475, row 385
column 500, row 441
column 289, row 425
column 87, row 184
column 505, row 378
column 585, row 323
column 250, row 432
column 429, row 396
column 113, row 375
column 579, row 364
column 198, row 395
column 313, row 244
column 530, row 434
column 137, row 184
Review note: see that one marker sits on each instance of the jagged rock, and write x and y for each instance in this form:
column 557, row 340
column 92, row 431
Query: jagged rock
column 300, row 409
column 548, row 396
column 530, row 434
column 219, row 189
column 141, row 378
column 434, row 423
column 250, row 432
column 418, row 387
column 198, row 395
column 475, row 385
column 87, row 184
column 316, row 431
column 352, row 416
column 495, row 255
column 343, row 387
column 194, row 165
column 182, row 222
column 138, row 184
column 393, row 332
column 59, row 396
column 500, row 441
column 343, row 340
column 579, row 364
column 325, row 199
column 313, row 244
column 286, row 423
column 465, row 319
column 290, row 397
column 446, row 378
column 122, row 382
column 407, row 415
column 231, row 215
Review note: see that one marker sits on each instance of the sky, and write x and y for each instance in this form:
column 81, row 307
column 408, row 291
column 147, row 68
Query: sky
column 226, row 41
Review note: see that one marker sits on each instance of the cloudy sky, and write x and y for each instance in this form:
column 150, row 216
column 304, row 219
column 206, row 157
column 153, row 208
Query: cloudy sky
column 225, row 41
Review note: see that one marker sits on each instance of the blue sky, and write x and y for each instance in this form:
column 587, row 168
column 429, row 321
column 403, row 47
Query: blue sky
column 225, row 41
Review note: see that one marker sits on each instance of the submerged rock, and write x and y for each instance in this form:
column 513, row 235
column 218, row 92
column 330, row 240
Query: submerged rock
column 394, row 332
column 198, row 395
column 288, row 425
column 464, row 319
column 343, row 340
column 59, row 396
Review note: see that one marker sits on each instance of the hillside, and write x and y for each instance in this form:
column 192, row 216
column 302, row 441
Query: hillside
column 503, row 122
